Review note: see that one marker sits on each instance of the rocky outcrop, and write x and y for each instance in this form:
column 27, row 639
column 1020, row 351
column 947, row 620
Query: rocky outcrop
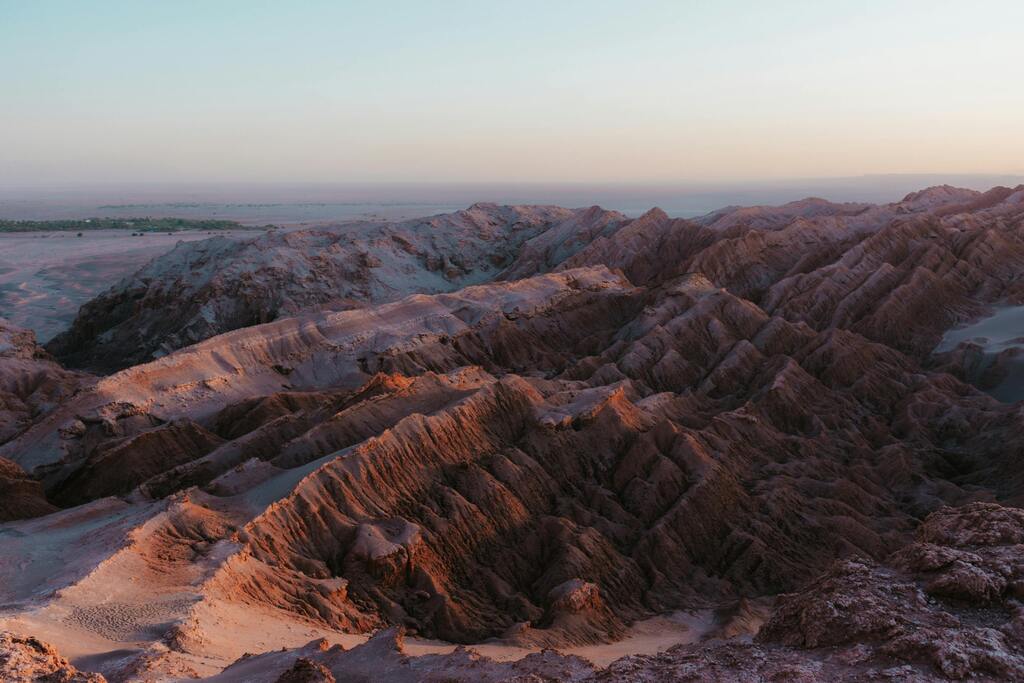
column 20, row 495
column 925, row 615
column 901, row 274
column 307, row 671
column 32, row 386
column 31, row 383
column 201, row 289
column 945, row 603
column 28, row 660
column 861, row 620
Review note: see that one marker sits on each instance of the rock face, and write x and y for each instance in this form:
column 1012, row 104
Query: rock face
column 27, row 660
column 625, row 418
column 942, row 608
column 919, row 616
column 31, row 386
column 31, row 383
column 307, row 671
column 20, row 495
column 201, row 289
column 862, row 267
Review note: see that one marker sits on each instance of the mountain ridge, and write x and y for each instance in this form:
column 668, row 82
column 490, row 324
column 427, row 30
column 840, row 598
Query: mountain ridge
column 740, row 418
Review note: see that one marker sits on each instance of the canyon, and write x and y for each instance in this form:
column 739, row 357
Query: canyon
column 532, row 443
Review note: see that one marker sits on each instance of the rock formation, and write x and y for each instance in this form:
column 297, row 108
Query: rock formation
column 201, row 289
column 942, row 608
column 20, row 495
column 610, row 420
column 31, row 382
column 27, row 660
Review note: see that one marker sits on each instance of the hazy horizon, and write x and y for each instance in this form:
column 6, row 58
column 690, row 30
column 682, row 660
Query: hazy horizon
column 302, row 203
column 589, row 92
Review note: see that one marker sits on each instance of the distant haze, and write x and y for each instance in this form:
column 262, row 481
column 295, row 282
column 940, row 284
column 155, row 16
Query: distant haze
column 299, row 203
column 581, row 91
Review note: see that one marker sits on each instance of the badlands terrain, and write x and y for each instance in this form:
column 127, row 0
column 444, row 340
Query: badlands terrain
column 45, row 276
column 532, row 443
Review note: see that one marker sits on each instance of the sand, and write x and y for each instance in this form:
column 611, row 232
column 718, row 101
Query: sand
column 1001, row 332
column 46, row 276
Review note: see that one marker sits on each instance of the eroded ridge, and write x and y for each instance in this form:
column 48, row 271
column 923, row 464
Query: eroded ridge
column 730, row 429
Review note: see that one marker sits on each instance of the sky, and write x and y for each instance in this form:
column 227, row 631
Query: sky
column 554, row 91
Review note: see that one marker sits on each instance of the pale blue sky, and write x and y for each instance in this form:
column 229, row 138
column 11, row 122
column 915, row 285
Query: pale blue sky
column 510, row 91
